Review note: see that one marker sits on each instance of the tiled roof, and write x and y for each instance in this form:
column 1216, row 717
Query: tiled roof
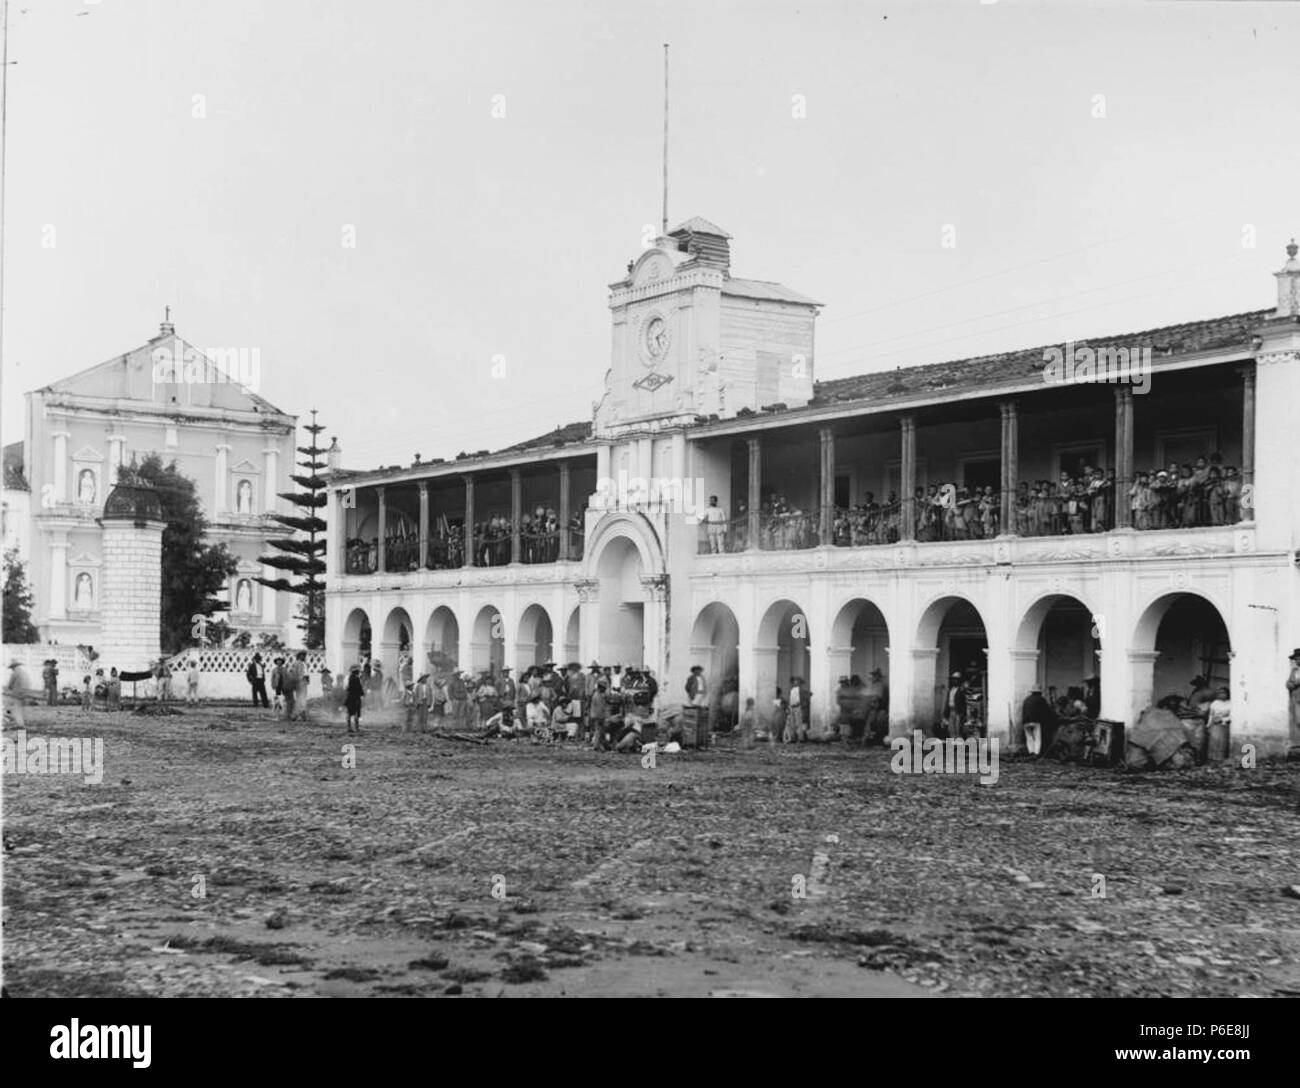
column 697, row 224
column 1012, row 367
column 570, row 432
column 15, row 477
column 765, row 290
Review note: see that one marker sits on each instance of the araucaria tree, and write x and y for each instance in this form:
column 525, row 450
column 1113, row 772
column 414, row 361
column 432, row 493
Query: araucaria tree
column 303, row 555
column 18, row 626
column 193, row 572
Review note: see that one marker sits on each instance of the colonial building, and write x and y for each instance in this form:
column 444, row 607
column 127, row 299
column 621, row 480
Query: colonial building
column 163, row 397
column 988, row 516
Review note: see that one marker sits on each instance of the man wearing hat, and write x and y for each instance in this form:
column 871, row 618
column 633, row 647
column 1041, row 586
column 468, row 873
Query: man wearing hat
column 954, row 705
column 16, row 693
column 423, row 696
column 877, row 700
column 1293, row 703
column 1202, row 696
column 1039, row 721
column 507, row 688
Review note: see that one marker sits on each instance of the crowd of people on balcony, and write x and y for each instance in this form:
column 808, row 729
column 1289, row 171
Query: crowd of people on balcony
column 1182, row 496
column 539, row 542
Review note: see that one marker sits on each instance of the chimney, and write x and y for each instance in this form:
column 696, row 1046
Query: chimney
column 1288, row 284
column 334, row 455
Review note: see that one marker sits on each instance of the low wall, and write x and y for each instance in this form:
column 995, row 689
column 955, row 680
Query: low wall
column 222, row 672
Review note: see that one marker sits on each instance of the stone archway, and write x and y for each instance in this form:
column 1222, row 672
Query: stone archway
column 620, row 573
column 488, row 644
column 1179, row 635
column 356, row 639
column 951, row 637
column 442, row 635
column 535, row 644
column 715, row 644
column 782, row 650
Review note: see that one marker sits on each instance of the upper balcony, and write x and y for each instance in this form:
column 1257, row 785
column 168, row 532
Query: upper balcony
column 1093, row 464
column 445, row 529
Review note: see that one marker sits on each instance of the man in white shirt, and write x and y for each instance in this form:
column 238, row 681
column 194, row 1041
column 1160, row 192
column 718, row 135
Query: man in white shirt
column 715, row 524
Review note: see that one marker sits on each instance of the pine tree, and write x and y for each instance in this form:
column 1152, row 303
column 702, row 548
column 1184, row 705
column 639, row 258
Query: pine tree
column 304, row 554
column 18, row 605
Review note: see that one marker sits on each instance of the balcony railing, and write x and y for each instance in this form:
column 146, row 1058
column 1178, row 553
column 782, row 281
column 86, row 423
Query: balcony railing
column 447, row 552
column 949, row 514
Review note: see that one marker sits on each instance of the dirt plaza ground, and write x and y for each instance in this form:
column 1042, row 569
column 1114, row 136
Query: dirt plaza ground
column 228, row 854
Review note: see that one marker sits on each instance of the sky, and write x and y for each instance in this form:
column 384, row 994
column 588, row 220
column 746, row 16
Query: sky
column 413, row 210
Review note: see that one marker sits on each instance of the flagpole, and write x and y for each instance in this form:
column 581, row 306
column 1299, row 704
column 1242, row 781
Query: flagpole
column 665, row 213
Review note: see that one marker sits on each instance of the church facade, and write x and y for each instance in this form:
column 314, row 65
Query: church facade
column 163, row 397
column 1005, row 517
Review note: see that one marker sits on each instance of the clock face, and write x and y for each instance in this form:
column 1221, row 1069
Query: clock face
column 655, row 338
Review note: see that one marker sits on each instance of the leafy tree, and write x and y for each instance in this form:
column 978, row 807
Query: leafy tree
column 193, row 572
column 18, row 626
column 304, row 554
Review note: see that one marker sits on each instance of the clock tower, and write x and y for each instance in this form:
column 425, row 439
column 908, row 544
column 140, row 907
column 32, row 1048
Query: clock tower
column 690, row 339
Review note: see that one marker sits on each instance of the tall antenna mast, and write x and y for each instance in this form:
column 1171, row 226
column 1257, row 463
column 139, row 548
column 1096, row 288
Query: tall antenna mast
column 665, row 224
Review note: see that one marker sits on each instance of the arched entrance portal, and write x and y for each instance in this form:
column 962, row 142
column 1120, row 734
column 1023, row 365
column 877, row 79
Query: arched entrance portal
column 397, row 641
column 622, row 603
column 489, row 645
column 859, row 650
column 442, row 639
column 534, row 646
column 781, row 651
column 356, row 639
column 950, row 639
column 715, row 644
column 1180, row 636
column 1058, row 649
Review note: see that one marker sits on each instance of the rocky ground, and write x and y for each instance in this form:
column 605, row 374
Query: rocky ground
column 227, row 854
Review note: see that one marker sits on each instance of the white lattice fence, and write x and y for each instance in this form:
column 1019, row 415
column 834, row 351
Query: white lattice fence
column 222, row 672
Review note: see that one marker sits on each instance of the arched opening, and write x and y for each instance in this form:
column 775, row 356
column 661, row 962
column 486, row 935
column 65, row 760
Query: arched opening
column 781, row 651
column 534, row 645
column 396, row 647
column 356, row 638
column 489, row 645
column 860, row 651
column 715, row 644
column 951, row 639
column 572, row 633
column 1179, row 637
column 1058, row 650
column 442, row 639
column 622, row 603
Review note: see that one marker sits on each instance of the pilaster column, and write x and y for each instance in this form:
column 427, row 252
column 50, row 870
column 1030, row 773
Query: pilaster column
column 1010, row 463
column 1123, row 455
column 907, row 476
column 271, row 478
column 220, row 502
column 565, row 512
column 469, row 521
column 383, row 529
column 268, row 597
column 424, row 523
column 755, row 490
column 61, row 466
column 116, row 448
column 59, row 576
column 516, row 515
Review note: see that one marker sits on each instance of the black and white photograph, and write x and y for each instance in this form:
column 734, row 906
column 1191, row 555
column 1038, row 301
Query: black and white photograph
column 689, row 499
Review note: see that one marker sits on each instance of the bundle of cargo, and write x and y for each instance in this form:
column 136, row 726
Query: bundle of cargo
column 1160, row 740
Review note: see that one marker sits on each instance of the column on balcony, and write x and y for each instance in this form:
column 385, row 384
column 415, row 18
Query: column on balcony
column 907, row 476
column 516, row 515
column 58, row 574
column 1123, row 455
column 1010, row 464
column 382, row 564
column 1247, row 443
column 469, row 521
column 755, row 490
column 424, row 524
column 565, row 512
column 826, row 481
